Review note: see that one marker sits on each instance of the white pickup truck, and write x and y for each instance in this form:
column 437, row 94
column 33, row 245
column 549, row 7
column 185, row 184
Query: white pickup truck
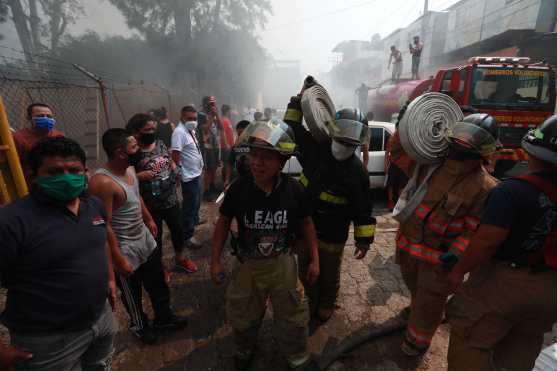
column 380, row 134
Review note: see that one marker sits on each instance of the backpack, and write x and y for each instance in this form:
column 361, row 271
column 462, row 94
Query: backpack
column 548, row 253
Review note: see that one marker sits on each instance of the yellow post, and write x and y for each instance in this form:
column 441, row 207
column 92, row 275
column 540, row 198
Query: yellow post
column 11, row 153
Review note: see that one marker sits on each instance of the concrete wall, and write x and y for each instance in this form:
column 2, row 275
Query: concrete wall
column 476, row 20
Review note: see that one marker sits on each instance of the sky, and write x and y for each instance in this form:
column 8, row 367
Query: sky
column 305, row 30
column 308, row 30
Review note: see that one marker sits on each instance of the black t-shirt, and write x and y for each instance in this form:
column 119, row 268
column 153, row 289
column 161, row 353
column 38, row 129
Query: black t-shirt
column 53, row 264
column 527, row 213
column 267, row 223
column 160, row 192
column 239, row 161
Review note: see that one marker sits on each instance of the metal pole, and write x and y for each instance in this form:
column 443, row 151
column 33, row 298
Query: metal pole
column 102, row 88
column 11, row 153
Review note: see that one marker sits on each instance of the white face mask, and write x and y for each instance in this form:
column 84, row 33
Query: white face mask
column 190, row 125
column 342, row 152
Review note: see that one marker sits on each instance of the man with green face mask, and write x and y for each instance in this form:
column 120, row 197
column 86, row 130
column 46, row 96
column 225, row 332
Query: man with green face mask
column 55, row 263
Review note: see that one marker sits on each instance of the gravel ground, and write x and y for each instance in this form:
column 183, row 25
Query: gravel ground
column 372, row 294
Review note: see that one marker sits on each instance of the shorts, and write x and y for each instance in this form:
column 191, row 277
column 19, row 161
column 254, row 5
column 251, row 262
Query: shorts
column 211, row 157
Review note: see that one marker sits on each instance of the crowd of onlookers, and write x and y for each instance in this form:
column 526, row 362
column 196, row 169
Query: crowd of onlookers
column 64, row 252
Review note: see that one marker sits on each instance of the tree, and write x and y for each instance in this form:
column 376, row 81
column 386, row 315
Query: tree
column 185, row 18
column 37, row 21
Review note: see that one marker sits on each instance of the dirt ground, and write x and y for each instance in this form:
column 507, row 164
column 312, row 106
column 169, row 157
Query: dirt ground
column 372, row 295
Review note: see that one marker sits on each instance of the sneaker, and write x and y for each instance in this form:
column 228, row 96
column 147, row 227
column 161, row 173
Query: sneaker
column 193, row 244
column 186, row 265
column 309, row 365
column 242, row 362
column 411, row 350
column 147, row 334
column 173, row 321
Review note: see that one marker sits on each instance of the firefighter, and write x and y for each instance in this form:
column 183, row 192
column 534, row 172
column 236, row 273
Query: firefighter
column 439, row 227
column 499, row 316
column 338, row 187
column 270, row 208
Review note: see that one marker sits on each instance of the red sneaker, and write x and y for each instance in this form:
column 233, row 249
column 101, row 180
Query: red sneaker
column 187, row 265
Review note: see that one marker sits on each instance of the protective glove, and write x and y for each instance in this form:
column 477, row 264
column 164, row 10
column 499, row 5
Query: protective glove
column 449, row 260
column 361, row 250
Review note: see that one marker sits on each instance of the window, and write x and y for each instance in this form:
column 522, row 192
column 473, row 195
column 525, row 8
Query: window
column 446, row 85
column 511, row 87
column 376, row 140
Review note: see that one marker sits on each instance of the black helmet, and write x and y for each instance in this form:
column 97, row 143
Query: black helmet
column 477, row 133
column 542, row 142
column 350, row 127
column 353, row 114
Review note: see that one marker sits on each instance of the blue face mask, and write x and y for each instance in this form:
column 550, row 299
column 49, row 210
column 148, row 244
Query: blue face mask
column 44, row 123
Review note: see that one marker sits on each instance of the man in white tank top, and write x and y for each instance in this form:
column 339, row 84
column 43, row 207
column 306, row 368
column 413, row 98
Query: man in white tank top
column 131, row 236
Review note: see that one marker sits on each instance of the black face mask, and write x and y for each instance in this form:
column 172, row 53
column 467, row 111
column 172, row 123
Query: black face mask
column 133, row 159
column 147, row 139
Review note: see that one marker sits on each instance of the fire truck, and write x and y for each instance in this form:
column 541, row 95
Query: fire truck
column 518, row 93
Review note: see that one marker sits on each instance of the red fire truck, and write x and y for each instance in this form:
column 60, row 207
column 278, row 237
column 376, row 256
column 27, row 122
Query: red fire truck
column 519, row 93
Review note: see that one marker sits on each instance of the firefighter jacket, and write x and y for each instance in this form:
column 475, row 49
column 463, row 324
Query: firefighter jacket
column 339, row 190
column 450, row 211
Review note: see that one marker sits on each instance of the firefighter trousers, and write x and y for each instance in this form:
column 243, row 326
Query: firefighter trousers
column 499, row 317
column 323, row 293
column 252, row 283
column 429, row 291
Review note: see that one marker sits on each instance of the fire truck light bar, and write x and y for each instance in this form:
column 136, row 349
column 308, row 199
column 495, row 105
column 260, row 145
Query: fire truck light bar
column 487, row 60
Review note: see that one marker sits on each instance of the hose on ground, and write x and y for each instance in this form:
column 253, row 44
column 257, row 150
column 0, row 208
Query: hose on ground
column 318, row 109
column 359, row 338
column 424, row 126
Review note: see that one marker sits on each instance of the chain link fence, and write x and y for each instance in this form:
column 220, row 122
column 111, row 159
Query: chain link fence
column 77, row 109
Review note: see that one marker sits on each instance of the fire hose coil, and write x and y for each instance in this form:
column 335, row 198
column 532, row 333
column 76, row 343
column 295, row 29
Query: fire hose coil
column 424, row 126
column 319, row 111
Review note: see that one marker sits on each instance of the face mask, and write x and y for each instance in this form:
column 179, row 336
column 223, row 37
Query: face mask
column 134, row 158
column 147, row 139
column 191, row 125
column 341, row 152
column 63, row 187
column 44, row 123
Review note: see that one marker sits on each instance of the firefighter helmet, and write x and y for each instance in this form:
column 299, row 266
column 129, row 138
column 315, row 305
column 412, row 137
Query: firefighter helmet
column 350, row 127
column 477, row 134
column 274, row 134
column 542, row 142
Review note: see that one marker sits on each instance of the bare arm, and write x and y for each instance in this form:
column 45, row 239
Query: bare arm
column 219, row 238
column 176, row 157
column 310, row 238
column 101, row 187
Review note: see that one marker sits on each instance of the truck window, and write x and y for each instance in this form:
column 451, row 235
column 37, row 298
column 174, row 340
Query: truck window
column 462, row 83
column 513, row 87
column 376, row 140
column 446, row 84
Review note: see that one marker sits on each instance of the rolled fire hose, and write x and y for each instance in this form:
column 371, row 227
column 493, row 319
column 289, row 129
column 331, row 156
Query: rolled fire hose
column 318, row 109
column 424, row 126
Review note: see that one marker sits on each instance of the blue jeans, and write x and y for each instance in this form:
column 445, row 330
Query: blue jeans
column 191, row 202
column 88, row 350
